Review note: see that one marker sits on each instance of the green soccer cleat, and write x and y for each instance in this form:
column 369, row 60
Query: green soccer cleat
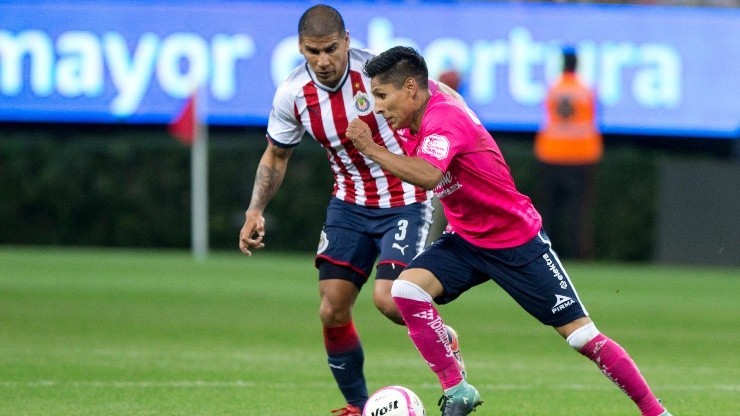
column 460, row 400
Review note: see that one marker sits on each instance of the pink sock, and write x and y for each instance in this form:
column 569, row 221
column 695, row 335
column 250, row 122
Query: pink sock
column 428, row 333
column 616, row 364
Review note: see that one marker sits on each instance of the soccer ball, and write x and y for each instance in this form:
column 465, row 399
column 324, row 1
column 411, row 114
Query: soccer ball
column 394, row 401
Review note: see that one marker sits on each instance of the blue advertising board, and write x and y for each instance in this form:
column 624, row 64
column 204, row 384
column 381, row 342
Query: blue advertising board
column 656, row 70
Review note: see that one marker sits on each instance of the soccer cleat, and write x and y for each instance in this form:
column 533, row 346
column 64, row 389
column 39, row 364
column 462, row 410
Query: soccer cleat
column 455, row 347
column 348, row 410
column 460, row 400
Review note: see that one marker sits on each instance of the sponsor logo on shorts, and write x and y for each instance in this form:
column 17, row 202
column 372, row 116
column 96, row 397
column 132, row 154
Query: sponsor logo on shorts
column 555, row 271
column 401, row 248
column 561, row 302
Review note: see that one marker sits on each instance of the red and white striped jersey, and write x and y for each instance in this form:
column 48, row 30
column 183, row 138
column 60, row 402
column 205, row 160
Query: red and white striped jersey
column 302, row 104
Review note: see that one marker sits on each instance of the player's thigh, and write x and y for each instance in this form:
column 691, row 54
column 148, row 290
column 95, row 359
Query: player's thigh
column 543, row 288
column 402, row 235
column 338, row 293
column 452, row 264
column 346, row 254
column 346, row 251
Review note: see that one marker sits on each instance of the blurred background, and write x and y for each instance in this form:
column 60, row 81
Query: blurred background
column 88, row 90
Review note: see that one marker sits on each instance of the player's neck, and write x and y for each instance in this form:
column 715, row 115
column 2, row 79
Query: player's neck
column 419, row 113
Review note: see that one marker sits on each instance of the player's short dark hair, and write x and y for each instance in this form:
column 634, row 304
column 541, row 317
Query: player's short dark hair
column 396, row 65
column 321, row 20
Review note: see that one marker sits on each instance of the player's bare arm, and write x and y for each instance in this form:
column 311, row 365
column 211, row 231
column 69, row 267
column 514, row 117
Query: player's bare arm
column 413, row 170
column 269, row 177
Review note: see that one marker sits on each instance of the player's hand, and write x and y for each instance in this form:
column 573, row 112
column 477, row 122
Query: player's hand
column 252, row 232
column 359, row 132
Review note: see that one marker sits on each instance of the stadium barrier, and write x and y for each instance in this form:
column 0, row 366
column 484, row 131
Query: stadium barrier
column 128, row 186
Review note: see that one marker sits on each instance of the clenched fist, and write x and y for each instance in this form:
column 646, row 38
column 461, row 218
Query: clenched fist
column 359, row 132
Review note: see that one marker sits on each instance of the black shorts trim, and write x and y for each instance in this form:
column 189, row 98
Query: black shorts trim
column 328, row 269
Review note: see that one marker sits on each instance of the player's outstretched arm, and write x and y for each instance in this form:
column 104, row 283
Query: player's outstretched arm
column 267, row 181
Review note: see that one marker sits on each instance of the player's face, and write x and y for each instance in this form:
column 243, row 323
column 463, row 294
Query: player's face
column 396, row 105
column 327, row 56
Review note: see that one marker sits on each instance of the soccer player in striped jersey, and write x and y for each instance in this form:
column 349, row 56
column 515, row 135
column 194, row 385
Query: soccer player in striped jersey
column 494, row 232
column 372, row 216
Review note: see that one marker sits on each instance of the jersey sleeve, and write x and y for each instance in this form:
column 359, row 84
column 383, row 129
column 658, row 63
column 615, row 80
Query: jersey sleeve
column 283, row 127
column 443, row 136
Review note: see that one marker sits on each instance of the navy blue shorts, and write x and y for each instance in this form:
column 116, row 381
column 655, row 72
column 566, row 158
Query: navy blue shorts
column 354, row 238
column 531, row 274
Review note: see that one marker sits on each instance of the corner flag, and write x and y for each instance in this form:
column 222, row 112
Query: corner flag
column 184, row 126
column 188, row 129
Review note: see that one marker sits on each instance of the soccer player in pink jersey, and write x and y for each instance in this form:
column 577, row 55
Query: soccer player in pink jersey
column 372, row 216
column 494, row 232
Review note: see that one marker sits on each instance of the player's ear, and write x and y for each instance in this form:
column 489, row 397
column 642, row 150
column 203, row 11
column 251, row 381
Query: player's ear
column 411, row 87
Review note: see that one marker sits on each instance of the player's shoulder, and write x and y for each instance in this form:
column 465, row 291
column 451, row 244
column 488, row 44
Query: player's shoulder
column 444, row 104
column 292, row 86
column 358, row 57
column 445, row 113
column 297, row 78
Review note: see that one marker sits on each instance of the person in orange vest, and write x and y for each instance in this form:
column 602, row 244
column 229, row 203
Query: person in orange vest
column 569, row 148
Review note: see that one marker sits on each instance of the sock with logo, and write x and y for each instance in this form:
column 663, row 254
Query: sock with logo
column 346, row 360
column 617, row 365
column 427, row 331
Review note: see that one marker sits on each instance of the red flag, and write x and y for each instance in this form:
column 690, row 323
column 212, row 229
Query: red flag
column 184, row 125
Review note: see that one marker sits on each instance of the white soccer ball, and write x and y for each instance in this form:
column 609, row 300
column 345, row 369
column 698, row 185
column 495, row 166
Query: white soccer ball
column 394, row 401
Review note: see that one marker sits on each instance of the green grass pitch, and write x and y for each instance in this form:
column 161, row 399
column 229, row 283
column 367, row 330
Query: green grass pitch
column 115, row 332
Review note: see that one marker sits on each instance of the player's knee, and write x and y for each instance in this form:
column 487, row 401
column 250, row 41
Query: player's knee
column 384, row 303
column 581, row 336
column 331, row 315
column 387, row 307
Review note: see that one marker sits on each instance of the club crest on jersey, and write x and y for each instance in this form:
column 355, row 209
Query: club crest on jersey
column 363, row 105
column 436, row 146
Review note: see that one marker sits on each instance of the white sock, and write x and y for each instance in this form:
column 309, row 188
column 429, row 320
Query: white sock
column 408, row 290
column 581, row 336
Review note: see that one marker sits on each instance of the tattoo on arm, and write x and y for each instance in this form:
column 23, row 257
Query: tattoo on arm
column 266, row 184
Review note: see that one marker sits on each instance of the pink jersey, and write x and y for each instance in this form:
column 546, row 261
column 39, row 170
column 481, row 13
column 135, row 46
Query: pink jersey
column 477, row 191
column 302, row 105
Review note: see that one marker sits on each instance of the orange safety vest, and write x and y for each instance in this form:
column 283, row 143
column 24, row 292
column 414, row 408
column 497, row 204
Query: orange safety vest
column 569, row 136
